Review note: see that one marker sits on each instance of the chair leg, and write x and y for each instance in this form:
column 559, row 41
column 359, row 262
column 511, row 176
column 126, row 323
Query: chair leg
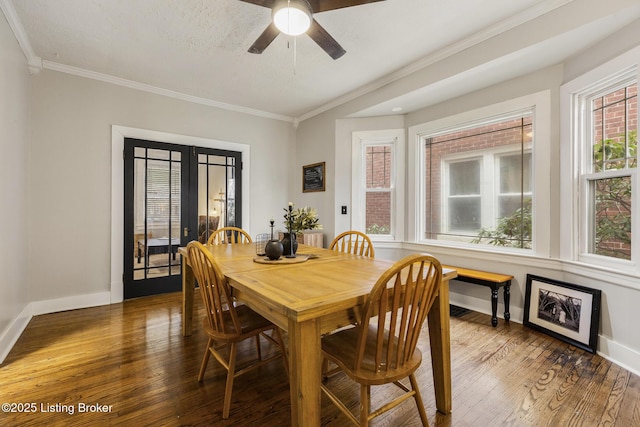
column 365, row 404
column 258, row 347
column 325, row 369
column 418, row 398
column 230, row 377
column 283, row 349
column 205, row 360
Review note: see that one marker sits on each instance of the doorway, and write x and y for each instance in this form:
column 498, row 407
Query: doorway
column 173, row 194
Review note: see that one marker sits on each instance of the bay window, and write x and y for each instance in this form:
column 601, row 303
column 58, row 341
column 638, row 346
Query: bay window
column 477, row 181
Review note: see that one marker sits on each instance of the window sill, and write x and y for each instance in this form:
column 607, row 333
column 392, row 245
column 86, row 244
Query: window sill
column 624, row 278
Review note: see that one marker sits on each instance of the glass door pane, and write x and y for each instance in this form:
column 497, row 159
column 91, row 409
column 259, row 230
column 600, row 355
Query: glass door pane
column 157, row 205
column 217, row 196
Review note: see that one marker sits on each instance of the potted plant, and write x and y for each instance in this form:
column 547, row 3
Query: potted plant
column 297, row 220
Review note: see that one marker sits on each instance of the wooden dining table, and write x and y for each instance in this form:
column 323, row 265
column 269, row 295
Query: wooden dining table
column 311, row 298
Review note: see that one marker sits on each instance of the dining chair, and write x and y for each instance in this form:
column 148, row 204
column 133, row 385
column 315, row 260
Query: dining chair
column 229, row 235
column 227, row 325
column 381, row 349
column 353, row 242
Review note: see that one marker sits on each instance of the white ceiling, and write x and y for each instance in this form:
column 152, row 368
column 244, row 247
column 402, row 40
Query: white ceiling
column 198, row 48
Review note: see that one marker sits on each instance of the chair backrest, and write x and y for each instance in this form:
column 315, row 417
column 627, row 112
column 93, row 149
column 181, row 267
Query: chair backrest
column 229, row 235
column 222, row 316
column 206, row 226
column 401, row 298
column 353, row 242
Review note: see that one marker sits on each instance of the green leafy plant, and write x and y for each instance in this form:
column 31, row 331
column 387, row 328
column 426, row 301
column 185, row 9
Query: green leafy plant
column 301, row 219
column 377, row 229
column 513, row 231
column 613, row 196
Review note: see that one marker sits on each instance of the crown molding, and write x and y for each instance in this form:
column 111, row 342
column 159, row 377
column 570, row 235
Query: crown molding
column 34, row 62
column 457, row 47
column 81, row 72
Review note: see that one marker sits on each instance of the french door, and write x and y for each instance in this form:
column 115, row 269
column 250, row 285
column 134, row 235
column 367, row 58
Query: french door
column 173, row 194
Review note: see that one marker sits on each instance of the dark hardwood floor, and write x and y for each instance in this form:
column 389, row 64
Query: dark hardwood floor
column 131, row 361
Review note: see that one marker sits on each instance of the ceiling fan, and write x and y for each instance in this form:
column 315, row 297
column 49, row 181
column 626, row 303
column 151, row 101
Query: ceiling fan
column 295, row 17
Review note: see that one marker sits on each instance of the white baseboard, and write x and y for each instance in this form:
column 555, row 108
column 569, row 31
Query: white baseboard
column 620, row 355
column 70, row 303
column 13, row 332
column 117, row 292
column 613, row 351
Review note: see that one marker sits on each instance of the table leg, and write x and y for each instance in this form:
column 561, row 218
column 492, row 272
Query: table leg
column 188, row 286
column 305, row 359
column 440, row 339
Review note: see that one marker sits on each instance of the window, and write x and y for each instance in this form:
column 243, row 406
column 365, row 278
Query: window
column 599, row 196
column 163, row 193
column 157, row 188
column 377, row 192
column 609, row 146
column 378, row 188
column 477, row 181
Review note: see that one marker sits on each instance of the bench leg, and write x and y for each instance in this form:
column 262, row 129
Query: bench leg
column 494, row 306
column 507, row 293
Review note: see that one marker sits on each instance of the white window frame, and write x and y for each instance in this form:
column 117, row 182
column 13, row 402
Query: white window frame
column 445, row 189
column 360, row 141
column 540, row 104
column 576, row 152
column 490, row 193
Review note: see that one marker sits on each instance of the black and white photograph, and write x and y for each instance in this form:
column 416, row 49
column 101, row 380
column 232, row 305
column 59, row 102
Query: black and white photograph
column 560, row 309
column 563, row 310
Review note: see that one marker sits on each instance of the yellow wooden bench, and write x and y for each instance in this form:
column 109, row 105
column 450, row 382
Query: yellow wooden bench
column 493, row 281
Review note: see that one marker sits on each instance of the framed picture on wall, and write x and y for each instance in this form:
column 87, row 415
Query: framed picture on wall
column 563, row 310
column 313, row 177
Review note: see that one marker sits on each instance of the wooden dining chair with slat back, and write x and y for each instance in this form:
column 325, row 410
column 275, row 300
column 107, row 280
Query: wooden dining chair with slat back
column 227, row 325
column 350, row 242
column 381, row 349
column 229, row 235
column 353, row 242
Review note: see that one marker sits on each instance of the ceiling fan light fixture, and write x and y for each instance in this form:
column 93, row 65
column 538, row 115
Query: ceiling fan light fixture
column 293, row 17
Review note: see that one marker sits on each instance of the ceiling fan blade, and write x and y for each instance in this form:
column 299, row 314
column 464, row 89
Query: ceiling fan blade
column 324, row 40
column 318, row 6
column 265, row 39
column 265, row 3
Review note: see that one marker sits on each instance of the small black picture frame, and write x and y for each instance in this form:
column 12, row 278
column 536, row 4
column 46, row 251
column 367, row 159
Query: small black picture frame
column 563, row 310
column 313, row 177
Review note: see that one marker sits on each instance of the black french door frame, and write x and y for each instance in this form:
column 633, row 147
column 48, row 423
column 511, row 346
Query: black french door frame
column 188, row 227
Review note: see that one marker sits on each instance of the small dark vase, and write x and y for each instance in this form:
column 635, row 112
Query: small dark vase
column 287, row 241
column 274, row 249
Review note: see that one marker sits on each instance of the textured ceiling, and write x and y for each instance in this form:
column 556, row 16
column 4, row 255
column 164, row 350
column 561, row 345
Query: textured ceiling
column 199, row 47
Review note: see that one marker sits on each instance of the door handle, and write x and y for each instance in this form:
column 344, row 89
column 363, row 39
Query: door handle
column 186, row 231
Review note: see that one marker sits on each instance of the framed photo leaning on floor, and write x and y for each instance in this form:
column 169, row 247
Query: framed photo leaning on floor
column 563, row 310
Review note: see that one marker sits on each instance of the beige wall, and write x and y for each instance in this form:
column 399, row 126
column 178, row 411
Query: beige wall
column 14, row 125
column 70, row 171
